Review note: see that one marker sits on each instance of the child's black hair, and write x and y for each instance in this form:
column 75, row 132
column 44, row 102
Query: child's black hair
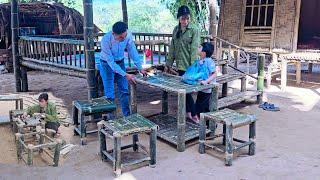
column 119, row 27
column 208, row 48
column 43, row 96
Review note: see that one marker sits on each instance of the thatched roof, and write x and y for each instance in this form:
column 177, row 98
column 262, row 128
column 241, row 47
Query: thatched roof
column 46, row 18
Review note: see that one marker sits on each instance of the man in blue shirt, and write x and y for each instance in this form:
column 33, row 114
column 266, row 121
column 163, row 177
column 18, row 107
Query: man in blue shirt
column 112, row 67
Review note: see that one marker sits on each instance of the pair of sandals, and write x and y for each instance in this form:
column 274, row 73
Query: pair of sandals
column 269, row 107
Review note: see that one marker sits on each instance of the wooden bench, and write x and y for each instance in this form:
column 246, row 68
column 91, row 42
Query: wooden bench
column 230, row 120
column 27, row 149
column 116, row 129
column 97, row 106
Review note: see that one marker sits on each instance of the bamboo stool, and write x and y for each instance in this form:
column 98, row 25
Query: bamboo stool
column 116, row 129
column 26, row 151
column 97, row 106
column 230, row 120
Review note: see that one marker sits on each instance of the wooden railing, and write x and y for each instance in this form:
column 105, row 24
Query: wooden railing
column 59, row 53
column 68, row 50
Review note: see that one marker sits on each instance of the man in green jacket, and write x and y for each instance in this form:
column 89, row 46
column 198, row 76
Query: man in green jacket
column 48, row 112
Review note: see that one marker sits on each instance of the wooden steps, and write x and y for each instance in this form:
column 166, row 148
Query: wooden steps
column 236, row 98
column 229, row 77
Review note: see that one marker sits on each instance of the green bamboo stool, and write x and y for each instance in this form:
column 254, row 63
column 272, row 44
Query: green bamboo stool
column 116, row 129
column 230, row 120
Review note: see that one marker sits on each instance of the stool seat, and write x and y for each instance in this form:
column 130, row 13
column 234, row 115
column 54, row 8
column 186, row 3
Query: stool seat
column 231, row 117
column 97, row 105
column 130, row 125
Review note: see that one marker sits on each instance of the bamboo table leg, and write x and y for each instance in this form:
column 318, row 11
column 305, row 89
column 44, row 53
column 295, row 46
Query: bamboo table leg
column 181, row 122
column 134, row 109
column 202, row 134
column 153, row 147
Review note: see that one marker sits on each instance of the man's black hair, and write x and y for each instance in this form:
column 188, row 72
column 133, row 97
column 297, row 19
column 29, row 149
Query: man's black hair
column 208, row 48
column 119, row 27
column 43, row 96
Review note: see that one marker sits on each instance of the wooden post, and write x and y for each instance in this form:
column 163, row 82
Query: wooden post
column 213, row 106
column 15, row 36
column 202, row 134
column 117, row 154
column 252, row 137
column 57, row 152
column 298, row 72
column 30, row 155
column 134, row 109
column 283, row 74
column 153, row 147
column 310, row 67
column 225, row 85
column 181, row 122
column 124, row 11
column 229, row 145
column 102, row 139
column 88, row 29
column 24, row 79
column 165, row 102
column 260, row 83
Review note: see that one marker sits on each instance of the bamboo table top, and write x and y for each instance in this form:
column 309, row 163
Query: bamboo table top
column 172, row 83
column 9, row 97
column 134, row 123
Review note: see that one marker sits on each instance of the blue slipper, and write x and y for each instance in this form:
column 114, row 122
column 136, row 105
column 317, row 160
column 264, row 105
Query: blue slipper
column 270, row 107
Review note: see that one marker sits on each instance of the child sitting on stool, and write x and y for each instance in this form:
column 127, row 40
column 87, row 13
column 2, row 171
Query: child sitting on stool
column 203, row 98
column 48, row 112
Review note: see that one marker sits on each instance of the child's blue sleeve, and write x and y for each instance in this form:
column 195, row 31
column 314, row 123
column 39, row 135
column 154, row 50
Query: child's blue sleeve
column 211, row 66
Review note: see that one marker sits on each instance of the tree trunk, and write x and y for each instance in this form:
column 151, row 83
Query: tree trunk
column 213, row 18
column 124, row 11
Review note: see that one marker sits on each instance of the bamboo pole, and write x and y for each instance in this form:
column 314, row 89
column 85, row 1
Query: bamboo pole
column 14, row 36
column 260, row 83
column 89, row 48
column 124, row 11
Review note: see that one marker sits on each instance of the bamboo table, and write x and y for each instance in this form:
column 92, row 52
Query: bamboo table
column 17, row 99
column 173, row 129
column 19, row 104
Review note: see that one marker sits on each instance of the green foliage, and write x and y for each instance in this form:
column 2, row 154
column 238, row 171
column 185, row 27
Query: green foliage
column 199, row 11
column 143, row 16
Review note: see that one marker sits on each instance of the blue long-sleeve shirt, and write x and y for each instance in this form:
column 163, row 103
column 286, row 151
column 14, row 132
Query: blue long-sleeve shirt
column 113, row 51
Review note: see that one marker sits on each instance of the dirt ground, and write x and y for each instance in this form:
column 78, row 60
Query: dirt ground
column 287, row 141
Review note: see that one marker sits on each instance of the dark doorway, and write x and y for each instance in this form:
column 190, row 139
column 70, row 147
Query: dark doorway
column 309, row 26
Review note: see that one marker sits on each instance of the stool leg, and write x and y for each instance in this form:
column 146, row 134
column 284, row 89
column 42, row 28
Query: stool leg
column 135, row 139
column 75, row 118
column 82, row 128
column 252, row 137
column 229, row 146
column 212, row 127
column 57, row 154
column 153, row 147
column 102, row 140
column 202, row 134
column 117, row 156
column 224, row 135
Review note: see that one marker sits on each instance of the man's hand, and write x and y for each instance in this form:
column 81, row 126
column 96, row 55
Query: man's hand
column 131, row 78
column 143, row 72
column 204, row 82
column 24, row 115
column 167, row 69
